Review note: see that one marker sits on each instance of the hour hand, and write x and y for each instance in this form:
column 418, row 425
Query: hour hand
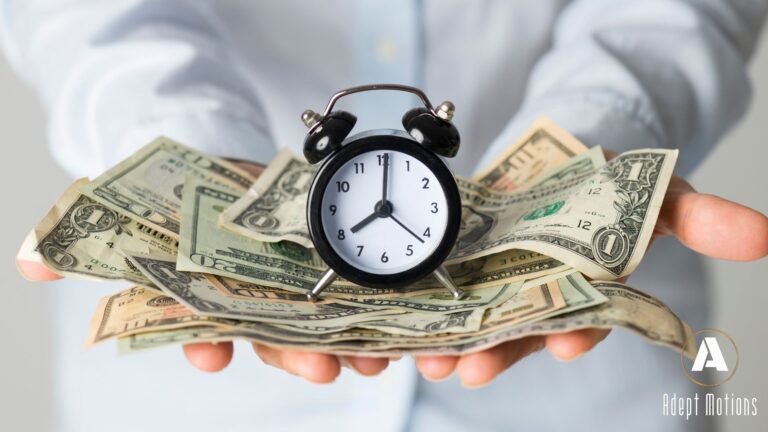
column 368, row 219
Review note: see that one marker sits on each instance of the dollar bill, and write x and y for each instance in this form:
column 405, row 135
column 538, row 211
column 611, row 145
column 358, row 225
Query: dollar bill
column 274, row 208
column 148, row 185
column 426, row 325
column 474, row 194
column 139, row 309
column 79, row 238
column 442, row 302
column 196, row 292
column 206, row 248
column 598, row 223
column 139, row 342
column 541, row 148
column 586, row 162
column 238, row 289
column 554, row 296
column 578, row 294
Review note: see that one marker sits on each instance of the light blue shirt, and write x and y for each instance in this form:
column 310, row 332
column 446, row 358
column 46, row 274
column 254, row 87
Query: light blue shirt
column 232, row 77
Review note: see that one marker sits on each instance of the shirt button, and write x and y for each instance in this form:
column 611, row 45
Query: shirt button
column 386, row 51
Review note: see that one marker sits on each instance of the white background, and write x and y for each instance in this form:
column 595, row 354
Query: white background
column 32, row 182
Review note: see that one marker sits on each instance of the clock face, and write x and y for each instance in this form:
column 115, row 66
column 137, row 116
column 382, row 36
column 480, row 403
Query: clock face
column 384, row 211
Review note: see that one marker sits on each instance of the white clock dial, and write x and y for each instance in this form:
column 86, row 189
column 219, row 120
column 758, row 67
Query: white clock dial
column 384, row 234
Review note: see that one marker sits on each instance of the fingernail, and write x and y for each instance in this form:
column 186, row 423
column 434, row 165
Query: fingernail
column 435, row 380
column 568, row 360
column 474, row 386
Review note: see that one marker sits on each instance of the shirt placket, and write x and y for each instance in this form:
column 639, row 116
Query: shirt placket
column 389, row 50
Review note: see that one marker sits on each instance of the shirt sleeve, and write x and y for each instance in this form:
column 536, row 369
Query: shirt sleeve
column 652, row 73
column 113, row 75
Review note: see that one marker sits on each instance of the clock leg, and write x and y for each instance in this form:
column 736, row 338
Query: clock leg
column 325, row 280
column 442, row 275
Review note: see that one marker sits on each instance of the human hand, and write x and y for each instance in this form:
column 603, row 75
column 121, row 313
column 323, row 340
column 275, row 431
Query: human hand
column 707, row 224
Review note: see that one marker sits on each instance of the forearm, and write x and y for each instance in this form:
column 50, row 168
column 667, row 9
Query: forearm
column 114, row 75
column 644, row 74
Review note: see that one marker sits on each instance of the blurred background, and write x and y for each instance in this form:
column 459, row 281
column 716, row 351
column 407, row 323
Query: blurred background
column 32, row 182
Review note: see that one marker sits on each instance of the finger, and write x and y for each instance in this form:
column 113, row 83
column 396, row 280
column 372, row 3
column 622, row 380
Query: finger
column 712, row 225
column 209, row 357
column 569, row 346
column 35, row 272
column 368, row 366
column 480, row 368
column 314, row 367
column 436, row 368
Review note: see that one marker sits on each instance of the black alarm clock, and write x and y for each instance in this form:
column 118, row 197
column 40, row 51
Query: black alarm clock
column 383, row 209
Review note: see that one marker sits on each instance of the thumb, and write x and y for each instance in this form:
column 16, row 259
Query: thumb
column 711, row 225
column 35, row 271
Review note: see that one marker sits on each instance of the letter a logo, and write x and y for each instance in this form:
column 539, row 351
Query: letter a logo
column 709, row 356
column 715, row 362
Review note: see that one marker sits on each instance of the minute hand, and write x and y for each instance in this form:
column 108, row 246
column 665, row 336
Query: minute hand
column 384, row 181
column 406, row 228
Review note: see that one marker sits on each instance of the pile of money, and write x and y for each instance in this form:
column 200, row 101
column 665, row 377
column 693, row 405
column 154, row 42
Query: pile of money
column 219, row 250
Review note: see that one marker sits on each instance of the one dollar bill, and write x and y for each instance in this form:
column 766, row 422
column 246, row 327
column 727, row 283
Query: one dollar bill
column 80, row 237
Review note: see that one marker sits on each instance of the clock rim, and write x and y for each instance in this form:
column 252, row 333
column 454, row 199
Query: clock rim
column 369, row 141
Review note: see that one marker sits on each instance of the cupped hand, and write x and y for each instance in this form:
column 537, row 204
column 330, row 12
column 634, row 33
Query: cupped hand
column 706, row 224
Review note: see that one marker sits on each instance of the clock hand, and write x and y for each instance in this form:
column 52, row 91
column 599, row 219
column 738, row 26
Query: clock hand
column 386, row 175
column 406, row 228
column 368, row 219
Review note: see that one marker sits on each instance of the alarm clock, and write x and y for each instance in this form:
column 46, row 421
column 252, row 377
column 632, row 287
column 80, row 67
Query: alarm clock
column 383, row 210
